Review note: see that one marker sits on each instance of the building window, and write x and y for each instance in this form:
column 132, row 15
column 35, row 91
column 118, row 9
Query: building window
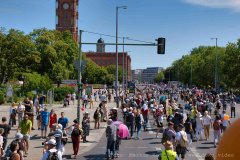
column 65, row 19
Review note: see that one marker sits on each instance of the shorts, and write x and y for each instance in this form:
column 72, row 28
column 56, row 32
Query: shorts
column 26, row 137
column 44, row 127
column 181, row 151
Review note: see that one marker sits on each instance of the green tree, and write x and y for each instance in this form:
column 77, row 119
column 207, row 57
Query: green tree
column 159, row 77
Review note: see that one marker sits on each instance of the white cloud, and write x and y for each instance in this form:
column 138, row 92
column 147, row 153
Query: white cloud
column 231, row 4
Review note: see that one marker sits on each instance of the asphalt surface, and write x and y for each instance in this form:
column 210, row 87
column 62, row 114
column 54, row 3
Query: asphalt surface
column 148, row 147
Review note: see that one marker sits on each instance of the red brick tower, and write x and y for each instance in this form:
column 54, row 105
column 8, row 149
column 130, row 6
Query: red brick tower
column 67, row 16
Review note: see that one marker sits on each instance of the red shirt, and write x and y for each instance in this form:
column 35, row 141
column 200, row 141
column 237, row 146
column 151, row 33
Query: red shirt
column 144, row 113
column 53, row 119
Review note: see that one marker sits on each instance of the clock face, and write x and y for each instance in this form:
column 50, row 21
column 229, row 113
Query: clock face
column 65, row 6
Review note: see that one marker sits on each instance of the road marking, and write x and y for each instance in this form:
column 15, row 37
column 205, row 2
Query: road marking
column 196, row 154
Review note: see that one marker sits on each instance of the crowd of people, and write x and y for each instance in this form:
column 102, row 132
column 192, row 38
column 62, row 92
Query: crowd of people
column 184, row 116
column 53, row 130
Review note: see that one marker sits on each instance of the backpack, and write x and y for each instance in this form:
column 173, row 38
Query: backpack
column 216, row 125
column 129, row 118
column 165, row 136
column 52, row 155
column 76, row 132
column 183, row 141
column 138, row 119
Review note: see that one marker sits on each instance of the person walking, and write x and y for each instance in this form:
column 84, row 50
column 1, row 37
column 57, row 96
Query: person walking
column 25, row 129
column 111, row 135
column 44, row 122
column 91, row 101
column 6, row 127
column 138, row 123
column 13, row 113
column 216, row 130
column 20, row 112
column 14, row 146
column 85, row 126
column 63, row 121
column 29, row 110
column 188, row 129
column 182, row 141
column 225, row 120
column 130, row 121
column 199, row 126
column 145, row 113
column 168, row 153
column 75, row 136
column 53, row 119
column 207, row 123
column 50, row 151
column 97, row 117
column 233, row 105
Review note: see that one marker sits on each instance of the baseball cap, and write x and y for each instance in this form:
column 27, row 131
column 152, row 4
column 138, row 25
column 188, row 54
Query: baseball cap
column 51, row 141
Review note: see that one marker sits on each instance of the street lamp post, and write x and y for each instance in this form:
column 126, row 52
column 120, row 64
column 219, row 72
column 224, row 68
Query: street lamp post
column 216, row 66
column 123, row 67
column 116, row 81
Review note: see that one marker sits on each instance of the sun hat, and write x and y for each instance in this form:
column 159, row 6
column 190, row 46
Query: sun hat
column 18, row 136
column 51, row 141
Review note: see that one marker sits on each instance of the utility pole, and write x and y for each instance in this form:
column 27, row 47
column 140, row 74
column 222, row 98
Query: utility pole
column 79, row 80
column 216, row 65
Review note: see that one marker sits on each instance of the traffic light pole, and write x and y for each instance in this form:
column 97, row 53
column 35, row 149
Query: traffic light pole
column 161, row 50
column 79, row 80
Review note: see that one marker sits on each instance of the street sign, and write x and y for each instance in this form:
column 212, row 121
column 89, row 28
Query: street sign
column 9, row 91
column 69, row 81
column 76, row 64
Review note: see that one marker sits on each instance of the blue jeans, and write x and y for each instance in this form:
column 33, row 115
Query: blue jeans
column 110, row 148
column 139, row 128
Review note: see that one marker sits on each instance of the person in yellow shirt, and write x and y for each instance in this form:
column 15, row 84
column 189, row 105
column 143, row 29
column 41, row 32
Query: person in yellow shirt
column 25, row 129
column 168, row 153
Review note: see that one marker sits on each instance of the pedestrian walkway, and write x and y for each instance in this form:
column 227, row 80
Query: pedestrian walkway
column 35, row 151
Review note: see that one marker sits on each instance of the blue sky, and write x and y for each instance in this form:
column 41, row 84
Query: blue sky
column 184, row 23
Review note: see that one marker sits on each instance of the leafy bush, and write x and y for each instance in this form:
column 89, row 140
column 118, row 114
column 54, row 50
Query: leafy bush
column 61, row 92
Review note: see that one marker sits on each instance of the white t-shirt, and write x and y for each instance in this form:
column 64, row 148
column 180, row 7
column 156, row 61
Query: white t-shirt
column 199, row 123
column 46, row 154
column 207, row 120
column 1, row 141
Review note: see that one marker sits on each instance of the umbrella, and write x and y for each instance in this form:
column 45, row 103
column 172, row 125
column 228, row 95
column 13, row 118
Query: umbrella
column 123, row 131
column 117, row 122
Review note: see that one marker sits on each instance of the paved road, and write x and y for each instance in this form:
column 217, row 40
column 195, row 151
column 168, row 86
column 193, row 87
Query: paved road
column 148, row 148
column 35, row 151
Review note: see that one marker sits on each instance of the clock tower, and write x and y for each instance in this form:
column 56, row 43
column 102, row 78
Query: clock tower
column 67, row 16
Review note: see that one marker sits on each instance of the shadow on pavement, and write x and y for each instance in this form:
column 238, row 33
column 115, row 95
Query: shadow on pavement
column 153, row 152
column 204, row 147
column 155, row 143
column 208, row 143
column 148, row 138
column 96, row 156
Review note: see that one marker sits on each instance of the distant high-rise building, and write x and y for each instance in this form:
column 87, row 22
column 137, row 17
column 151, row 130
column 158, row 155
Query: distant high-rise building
column 67, row 16
column 146, row 75
column 137, row 75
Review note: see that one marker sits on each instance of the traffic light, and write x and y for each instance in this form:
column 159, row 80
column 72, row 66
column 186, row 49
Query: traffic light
column 161, row 45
